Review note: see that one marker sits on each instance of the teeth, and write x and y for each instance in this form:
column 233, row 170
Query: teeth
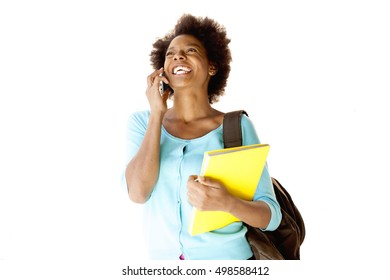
column 181, row 70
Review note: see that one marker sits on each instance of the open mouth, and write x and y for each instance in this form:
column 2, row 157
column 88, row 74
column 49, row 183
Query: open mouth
column 181, row 70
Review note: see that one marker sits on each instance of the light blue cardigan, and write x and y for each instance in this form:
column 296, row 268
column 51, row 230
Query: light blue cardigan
column 167, row 212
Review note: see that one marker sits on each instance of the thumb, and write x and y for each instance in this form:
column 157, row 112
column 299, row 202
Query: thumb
column 209, row 182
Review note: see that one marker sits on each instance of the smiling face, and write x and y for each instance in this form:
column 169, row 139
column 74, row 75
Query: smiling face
column 186, row 63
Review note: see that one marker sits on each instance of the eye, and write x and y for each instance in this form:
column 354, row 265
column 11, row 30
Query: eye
column 169, row 53
column 190, row 50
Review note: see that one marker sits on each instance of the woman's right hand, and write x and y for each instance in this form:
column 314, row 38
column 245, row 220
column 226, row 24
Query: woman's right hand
column 157, row 101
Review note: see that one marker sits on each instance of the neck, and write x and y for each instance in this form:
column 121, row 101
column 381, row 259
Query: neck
column 187, row 108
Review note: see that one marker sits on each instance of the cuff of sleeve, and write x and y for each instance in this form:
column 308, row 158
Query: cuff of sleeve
column 276, row 217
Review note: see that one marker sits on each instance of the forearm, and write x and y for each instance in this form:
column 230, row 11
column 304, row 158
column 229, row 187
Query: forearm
column 142, row 171
column 210, row 195
column 254, row 213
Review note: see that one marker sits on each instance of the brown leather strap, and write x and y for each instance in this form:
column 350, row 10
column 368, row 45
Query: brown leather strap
column 232, row 134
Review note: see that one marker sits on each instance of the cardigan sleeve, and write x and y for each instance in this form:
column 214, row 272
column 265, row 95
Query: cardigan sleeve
column 135, row 132
column 265, row 191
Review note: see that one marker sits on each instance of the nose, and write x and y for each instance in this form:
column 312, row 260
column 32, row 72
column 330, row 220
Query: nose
column 179, row 55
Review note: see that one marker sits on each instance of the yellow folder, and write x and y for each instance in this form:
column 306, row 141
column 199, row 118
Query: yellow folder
column 239, row 169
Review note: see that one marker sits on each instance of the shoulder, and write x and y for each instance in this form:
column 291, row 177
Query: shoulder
column 138, row 120
column 247, row 124
column 246, row 121
column 248, row 131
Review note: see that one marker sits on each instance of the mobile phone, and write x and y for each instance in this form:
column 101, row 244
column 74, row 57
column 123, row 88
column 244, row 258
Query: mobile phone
column 164, row 86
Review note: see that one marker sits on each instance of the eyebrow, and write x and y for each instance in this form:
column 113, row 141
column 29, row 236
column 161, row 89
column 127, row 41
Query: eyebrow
column 188, row 45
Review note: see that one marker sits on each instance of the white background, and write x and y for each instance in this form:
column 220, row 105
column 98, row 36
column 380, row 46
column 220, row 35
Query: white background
column 313, row 76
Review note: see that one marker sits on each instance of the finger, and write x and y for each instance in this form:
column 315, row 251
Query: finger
column 194, row 188
column 191, row 184
column 209, row 182
column 195, row 193
column 192, row 178
column 164, row 79
column 151, row 78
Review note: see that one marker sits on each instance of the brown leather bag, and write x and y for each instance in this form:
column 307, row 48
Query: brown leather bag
column 283, row 243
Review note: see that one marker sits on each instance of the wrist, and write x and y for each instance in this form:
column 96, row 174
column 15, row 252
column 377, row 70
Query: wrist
column 231, row 204
column 156, row 115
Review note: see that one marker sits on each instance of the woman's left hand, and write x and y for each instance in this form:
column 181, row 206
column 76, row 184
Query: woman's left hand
column 207, row 194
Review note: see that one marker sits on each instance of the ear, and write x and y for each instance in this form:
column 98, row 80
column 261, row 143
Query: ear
column 212, row 70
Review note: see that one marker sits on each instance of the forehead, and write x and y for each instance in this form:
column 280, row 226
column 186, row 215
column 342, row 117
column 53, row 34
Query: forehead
column 185, row 40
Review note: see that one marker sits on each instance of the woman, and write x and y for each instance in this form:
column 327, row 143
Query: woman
column 166, row 148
